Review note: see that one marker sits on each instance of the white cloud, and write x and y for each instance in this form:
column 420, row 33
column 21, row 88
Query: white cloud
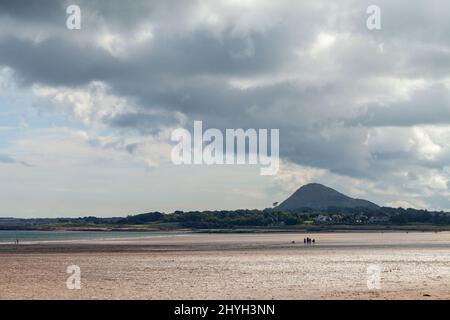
column 90, row 105
column 323, row 42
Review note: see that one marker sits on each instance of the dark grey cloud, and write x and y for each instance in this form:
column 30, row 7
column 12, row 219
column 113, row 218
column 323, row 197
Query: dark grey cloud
column 56, row 62
column 143, row 123
column 34, row 10
column 426, row 107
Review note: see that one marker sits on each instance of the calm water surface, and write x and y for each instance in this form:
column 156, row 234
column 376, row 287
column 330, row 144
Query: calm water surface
column 7, row 236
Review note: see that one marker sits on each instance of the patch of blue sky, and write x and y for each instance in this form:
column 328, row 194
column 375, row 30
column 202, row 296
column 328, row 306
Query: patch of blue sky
column 18, row 117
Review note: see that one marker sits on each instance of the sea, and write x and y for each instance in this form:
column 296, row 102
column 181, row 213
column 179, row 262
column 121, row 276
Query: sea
column 24, row 236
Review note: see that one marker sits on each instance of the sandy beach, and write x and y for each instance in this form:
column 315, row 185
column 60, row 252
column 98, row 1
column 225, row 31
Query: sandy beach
column 232, row 266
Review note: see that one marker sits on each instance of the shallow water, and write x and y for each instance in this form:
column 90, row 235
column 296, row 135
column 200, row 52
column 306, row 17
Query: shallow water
column 24, row 236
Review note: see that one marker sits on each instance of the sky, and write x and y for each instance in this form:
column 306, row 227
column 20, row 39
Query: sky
column 86, row 115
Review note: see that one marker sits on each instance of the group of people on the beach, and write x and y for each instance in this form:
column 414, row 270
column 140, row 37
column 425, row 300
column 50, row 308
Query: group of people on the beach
column 309, row 241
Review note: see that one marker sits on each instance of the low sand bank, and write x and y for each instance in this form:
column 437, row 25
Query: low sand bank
column 232, row 266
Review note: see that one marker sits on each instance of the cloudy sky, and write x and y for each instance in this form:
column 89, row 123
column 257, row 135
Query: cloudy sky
column 86, row 115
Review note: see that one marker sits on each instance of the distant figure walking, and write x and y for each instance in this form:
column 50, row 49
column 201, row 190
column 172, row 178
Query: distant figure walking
column 309, row 241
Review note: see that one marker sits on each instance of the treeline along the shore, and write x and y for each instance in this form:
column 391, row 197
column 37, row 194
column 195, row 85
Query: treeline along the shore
column 305, row 216
column 225, row 219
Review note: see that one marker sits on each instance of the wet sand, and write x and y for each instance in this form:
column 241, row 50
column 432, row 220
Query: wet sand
column 232, row 266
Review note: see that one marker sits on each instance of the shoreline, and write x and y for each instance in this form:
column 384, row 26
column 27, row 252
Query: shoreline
column 295, row 229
